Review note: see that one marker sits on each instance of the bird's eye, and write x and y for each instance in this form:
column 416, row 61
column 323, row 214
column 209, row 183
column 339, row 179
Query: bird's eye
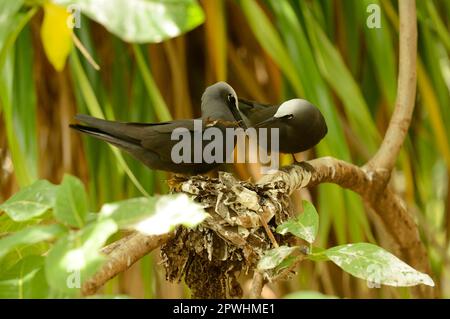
column 231, row 99
column 288, row 117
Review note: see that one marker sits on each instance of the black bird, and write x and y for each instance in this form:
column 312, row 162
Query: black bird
column 151, row 143
column 301, row 125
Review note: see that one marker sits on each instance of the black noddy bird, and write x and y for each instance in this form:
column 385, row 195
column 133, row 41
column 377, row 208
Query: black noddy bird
column 151, row 143
column 301, row 125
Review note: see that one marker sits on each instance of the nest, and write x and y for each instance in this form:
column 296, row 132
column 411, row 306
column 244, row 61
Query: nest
column 211, row 256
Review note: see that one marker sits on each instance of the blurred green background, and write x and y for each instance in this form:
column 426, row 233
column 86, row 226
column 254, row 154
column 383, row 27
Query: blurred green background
column 268, row 51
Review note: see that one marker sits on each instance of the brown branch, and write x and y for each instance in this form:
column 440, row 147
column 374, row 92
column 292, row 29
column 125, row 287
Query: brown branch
column 381, row 199
column 121, row 255
column 257, row 285
column 387, row 154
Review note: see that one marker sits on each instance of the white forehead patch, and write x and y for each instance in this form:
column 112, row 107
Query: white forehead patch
column 291, row 107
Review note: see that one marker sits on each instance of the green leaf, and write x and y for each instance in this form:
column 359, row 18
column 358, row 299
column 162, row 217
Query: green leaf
column 308, row 295
column 317, row 254
column 71, row 202
column 30, row 201
column 170, row 212
column 26, row 279
column 335, row 71
column 8, row 11
column 128, row 212
column 274, row 257
column 76, row 257
column 304, row 225
column 142, row 20
column 270, row 40
column 29, row 236
column 376, row 265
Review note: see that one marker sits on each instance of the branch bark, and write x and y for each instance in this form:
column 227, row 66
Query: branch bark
column 387, row 154
column 122, row 254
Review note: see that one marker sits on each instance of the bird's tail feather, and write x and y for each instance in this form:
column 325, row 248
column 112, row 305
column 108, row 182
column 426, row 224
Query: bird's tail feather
column 126, row 144
column 121, row 130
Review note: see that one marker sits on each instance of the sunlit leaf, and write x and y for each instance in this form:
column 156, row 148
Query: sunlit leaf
column 76, row 257
column 30, row 235
column 30, row 201
column 26, row 279
column 142, row 20
column 171, row 211
column 304, row 225
column 274, row 257
column 71, row 202
column 128, row 212
column 376, row 265
column 56, row 34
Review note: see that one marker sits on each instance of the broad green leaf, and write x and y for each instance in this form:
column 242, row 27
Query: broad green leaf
column 30, row 201
column 304, row 225
column 142, row 20
column 30, row 235
column 286, row 263
column 376, row 265
column 170, row 212
column 26, row 279
column 308, row 295
column 128, row 212
column 56, row 35
column 274, row 257
column 71, row 202
column 76, row 257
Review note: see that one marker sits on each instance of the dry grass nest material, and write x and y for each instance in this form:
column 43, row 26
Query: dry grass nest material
column 211, row 256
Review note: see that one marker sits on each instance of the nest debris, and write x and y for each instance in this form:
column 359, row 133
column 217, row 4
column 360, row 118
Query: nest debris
column 211, row 256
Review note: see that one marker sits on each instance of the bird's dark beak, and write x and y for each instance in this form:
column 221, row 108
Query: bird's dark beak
column 270, row 120
column 237, row 116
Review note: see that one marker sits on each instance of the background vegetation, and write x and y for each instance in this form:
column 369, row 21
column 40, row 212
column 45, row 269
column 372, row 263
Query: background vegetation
column 268, row 51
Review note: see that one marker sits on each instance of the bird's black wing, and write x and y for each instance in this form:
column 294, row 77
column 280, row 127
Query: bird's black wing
column 256, row 112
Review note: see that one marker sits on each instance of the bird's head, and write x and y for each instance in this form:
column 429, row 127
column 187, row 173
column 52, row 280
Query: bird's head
column 220, row 102
column 298, row 113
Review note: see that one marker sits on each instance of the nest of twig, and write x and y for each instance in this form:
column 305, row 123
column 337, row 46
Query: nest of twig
column 230, row 242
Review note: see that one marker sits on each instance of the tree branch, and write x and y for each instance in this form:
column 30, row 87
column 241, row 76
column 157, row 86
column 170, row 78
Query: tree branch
column 257, row 285
column 398, row 222
column 387, row 154
column 122, row 254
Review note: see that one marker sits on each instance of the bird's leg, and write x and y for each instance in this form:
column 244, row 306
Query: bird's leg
column 295, row 159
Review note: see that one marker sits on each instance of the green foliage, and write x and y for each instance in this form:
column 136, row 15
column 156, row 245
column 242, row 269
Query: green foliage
column 142, row 20
column 304, row 226
column 71, row 202
column 30, row 235
column 74, row 255
column 25, row 280
column 372, row 263
column 362, row 260
column 128, row 212
column 32, row 201
column 274, row 257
